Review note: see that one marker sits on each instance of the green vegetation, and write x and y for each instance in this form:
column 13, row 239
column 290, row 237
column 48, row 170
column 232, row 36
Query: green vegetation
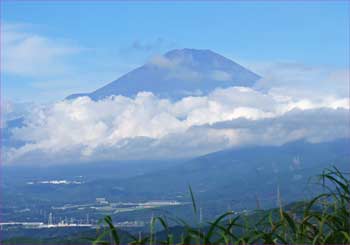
column 51, row 237
column 321, row 220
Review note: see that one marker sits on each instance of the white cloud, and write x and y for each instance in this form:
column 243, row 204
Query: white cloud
column 316, row 125
column 29, row 54
column 148, row 127
column 298, row 80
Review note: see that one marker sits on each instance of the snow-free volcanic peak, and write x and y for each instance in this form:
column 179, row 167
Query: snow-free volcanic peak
column 178, row 73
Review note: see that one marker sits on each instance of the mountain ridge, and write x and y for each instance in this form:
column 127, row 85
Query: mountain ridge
column 176, row 74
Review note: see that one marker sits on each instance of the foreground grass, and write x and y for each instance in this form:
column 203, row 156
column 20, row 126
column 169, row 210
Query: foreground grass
column 325, row 219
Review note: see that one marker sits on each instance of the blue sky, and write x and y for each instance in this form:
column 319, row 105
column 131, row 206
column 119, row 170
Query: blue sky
column 80, row 46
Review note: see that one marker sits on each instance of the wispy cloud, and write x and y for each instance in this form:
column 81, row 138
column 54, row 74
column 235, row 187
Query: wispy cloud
column 147, row 47
column 301, row 80
column 31, row 55
column 182, row 68
column 51, row 68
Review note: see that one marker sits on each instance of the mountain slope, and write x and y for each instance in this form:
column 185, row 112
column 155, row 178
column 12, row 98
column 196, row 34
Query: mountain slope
column 177, row 74
column 234, row 177
column 244, row 174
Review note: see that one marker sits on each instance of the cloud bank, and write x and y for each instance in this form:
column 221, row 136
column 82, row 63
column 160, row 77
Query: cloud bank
column 146, row 126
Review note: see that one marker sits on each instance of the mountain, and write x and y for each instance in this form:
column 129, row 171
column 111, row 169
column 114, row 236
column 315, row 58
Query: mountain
column 178, row 73
column 240, row 174
column 233, row 177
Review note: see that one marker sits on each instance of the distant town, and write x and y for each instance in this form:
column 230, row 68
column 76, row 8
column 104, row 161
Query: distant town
column 101, row 205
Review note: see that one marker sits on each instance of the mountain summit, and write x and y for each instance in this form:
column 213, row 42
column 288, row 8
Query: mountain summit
column 178, row 73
